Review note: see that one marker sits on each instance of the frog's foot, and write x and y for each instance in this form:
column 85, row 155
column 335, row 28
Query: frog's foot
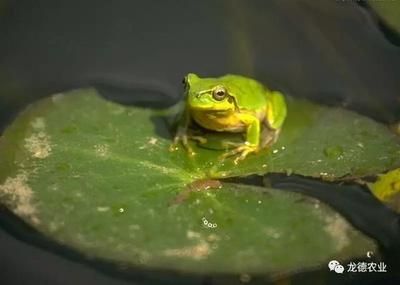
column 230, row 144
column 184, row 139
column 181, row 138
column 199, row 139
column 242, row 151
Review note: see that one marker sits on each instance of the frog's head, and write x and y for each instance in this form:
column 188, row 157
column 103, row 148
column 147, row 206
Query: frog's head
column 208, row 94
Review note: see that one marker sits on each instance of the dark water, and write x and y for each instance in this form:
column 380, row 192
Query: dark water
column 333, row 52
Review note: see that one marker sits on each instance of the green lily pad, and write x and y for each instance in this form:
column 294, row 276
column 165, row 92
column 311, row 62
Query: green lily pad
column 98, row 176
column 316, row 141
column 389, row 11
column 387, row 189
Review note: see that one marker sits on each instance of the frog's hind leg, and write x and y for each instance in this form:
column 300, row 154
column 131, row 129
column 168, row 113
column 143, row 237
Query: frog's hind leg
column 199, row 139
column 230, row 144
column 276, row 111
column 196, row 135
column 268, row 136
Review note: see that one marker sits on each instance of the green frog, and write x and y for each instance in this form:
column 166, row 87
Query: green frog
column 231, row 103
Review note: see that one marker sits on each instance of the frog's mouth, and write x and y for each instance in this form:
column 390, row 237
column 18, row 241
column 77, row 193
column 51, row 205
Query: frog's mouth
column 212, row 108
column 205, row 103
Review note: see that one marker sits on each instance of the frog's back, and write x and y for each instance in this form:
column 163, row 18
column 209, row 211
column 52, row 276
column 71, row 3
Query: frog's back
column 249, row 93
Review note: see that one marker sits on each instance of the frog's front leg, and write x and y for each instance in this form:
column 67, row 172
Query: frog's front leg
column 182, row 135
column 252, row 138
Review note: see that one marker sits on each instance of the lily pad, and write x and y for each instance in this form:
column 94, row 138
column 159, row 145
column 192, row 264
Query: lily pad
column 389, row 11
column 316, row 141
column 98, row 176
column 387, row 188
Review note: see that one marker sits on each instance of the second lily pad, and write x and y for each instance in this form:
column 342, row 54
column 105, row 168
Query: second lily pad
column 387, row 188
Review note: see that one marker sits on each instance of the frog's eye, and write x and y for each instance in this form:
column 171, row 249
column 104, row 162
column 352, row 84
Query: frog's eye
column 219, row 93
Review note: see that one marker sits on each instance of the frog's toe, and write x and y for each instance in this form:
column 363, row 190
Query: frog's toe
column 229, row 144
column 242, row 151
column 199, row 139
column 185, row 143
column 229, row 153
column 175, row 143
column 243, row 155
column 173, row 147
column 189, row 150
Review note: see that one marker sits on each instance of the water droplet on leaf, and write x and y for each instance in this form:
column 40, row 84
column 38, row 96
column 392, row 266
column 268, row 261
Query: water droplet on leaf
column 333, row 152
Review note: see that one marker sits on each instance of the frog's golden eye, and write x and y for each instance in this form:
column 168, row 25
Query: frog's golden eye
column 219, row 93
